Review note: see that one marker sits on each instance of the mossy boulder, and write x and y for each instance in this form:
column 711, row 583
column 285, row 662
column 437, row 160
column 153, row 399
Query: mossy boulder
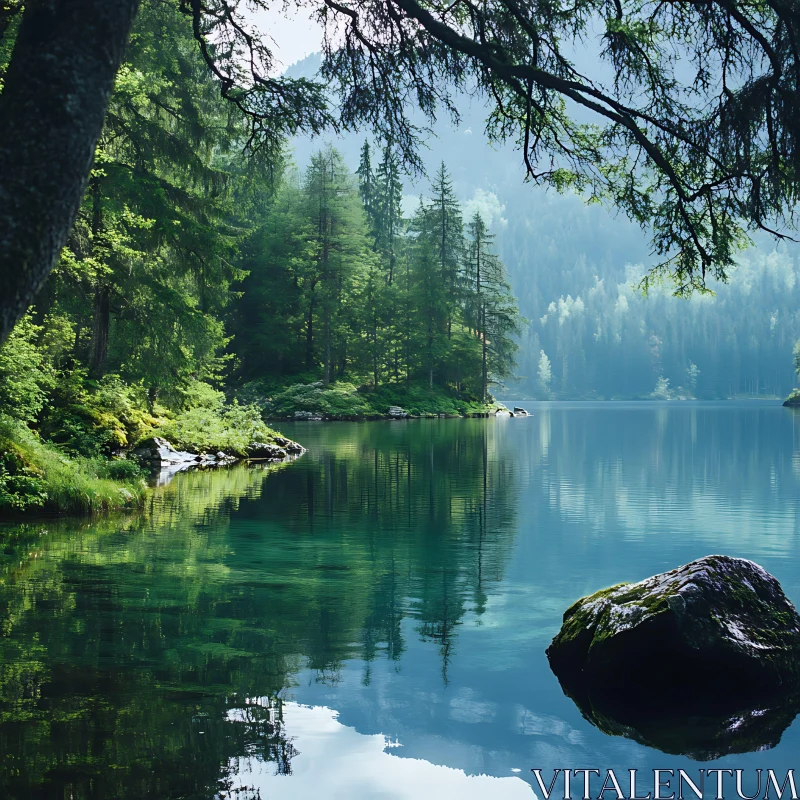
column 716, row 634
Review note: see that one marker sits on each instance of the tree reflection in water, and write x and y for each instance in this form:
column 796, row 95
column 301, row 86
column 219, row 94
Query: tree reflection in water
column 144, row 656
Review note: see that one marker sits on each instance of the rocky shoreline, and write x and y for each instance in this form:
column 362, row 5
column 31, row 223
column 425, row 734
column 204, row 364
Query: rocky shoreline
column 394, row 413
column 165, row 461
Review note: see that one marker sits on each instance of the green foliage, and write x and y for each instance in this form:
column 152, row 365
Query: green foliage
column 335, row 401
column 35, row 475
column 229, row 429
column 341, row 287
column 95, row 418
column 491, row 306
column 25, row 372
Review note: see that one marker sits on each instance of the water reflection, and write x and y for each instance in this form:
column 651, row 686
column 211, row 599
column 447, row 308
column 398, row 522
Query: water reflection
column 700, row 737
column 273, row 628
column 129, row 644
column 349, row 765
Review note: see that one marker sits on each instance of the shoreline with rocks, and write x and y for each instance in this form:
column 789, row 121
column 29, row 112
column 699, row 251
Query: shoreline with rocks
column 165, row 461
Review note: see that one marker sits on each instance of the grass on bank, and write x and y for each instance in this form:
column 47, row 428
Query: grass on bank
column 35, row 475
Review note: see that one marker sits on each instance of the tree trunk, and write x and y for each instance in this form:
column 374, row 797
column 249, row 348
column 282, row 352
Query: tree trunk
column 100, row 330
column 52, row 108
column 484, row 370
column 310, row 335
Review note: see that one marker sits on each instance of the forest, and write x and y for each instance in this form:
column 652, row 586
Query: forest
column 229, row 265
column 206, row 288
column 576, row 270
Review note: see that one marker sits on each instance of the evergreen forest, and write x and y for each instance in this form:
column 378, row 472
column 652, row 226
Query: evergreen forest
column 208, row 286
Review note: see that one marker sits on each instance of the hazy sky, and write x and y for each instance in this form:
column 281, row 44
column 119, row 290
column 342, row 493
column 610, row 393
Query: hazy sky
column 295, row 35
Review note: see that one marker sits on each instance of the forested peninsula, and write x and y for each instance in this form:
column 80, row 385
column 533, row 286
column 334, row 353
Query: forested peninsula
column 208, row 288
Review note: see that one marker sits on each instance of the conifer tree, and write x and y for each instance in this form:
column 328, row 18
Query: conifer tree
column 388, row 211
column 366, row 186
column 429, row 296
column 446, row 230
column 490, row 305
column 340, row 252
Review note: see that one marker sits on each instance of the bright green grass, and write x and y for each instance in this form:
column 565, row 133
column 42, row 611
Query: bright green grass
column 35, row 475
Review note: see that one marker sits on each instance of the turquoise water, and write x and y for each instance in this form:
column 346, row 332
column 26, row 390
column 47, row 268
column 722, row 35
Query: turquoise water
column 370, row 620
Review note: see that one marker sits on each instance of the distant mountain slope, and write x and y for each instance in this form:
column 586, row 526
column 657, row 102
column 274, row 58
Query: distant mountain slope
column 573, row 267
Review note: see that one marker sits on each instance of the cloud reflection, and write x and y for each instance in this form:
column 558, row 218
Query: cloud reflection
column 336, row 761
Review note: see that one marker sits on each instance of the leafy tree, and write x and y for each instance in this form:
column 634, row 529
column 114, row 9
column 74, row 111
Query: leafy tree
column 25, row 374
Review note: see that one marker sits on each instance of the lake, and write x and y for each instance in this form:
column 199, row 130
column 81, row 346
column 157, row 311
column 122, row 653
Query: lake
column 370, row 620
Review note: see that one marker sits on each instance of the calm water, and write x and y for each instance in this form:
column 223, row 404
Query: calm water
column 370, row 620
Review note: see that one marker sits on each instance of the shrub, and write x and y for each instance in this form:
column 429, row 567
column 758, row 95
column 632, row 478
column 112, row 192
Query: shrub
column 120, row 469
column 25, row 375
column 333, row 401
column 207, row 430
column 34, row 475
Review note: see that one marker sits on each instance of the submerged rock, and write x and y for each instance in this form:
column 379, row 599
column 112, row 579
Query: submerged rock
column 717, row 634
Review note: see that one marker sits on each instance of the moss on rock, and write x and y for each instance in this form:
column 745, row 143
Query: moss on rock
column 703, row 660
column 718, row 628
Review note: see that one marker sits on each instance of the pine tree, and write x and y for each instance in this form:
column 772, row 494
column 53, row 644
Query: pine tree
column 491, row 307
column 366, row 186
column 388, row 211
column 446, row 228
column 340, row 252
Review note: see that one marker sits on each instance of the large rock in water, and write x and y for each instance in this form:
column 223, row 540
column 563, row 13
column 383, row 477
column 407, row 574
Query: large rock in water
column 718, row 633
column 702, row 661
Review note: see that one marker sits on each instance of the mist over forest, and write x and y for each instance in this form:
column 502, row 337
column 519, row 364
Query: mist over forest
column 575, row 269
